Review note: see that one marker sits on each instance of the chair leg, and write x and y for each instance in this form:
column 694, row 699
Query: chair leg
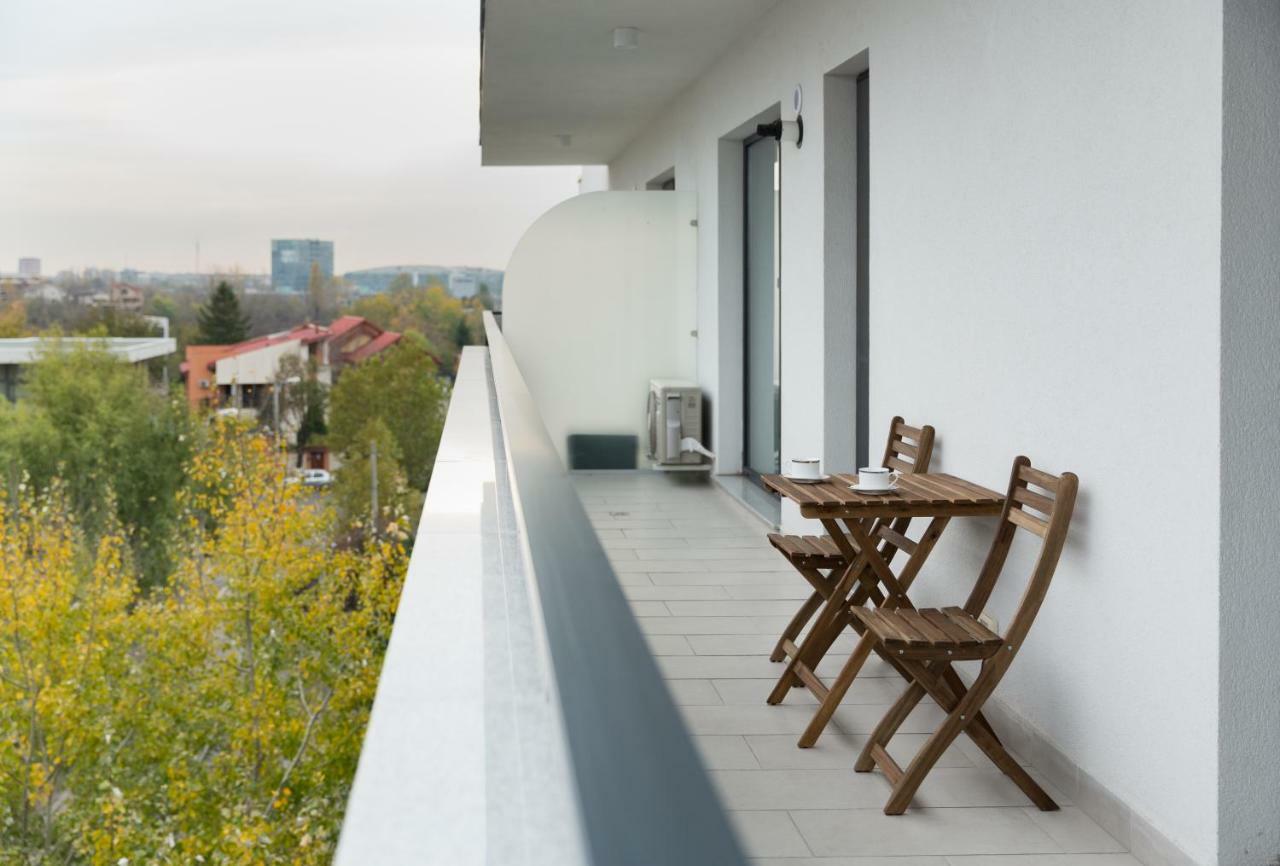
column 888, row 726
column 964, row 712
column 837, row 692
column 797, row 624
column 905, row 789
column 949, row 690
column 824, row 633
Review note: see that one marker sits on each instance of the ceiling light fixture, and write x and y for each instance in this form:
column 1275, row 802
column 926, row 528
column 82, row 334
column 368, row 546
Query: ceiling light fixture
column 626, row 37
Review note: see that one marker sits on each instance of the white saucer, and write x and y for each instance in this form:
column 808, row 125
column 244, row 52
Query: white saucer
column 798, row 480
column 856, row 489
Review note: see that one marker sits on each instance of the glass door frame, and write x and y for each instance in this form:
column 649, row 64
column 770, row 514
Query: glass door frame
column 747, row 470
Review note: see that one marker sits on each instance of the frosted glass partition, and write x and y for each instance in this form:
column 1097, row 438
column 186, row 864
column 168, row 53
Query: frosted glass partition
column 598, row 299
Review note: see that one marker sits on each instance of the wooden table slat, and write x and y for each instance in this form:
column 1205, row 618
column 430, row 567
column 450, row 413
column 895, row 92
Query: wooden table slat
column 916, row 494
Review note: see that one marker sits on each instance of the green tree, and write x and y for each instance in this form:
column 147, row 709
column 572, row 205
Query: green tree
column 402, row 387
column 304, row 403
column 461, row 334
column 96, row 422
column 353, row 488
column 221, row 319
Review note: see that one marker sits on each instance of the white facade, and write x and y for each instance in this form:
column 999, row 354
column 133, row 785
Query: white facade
column 1048, row 275
column 259, row 366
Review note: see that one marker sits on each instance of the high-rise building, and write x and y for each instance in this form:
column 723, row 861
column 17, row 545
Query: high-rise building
column 28, row 267
column 291, row 262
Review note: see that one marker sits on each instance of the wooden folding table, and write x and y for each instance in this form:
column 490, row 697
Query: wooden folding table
column 863, row 527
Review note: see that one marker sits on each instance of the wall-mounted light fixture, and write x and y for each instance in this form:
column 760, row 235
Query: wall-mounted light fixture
column 626, row 37
column 784, row 130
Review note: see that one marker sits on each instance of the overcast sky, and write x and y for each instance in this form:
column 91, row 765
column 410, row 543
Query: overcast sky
column 130, row 129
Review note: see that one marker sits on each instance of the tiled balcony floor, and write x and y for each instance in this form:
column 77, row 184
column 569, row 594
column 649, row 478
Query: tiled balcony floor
column 712, row 597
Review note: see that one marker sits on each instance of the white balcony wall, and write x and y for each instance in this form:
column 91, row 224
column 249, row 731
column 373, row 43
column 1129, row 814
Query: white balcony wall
column 597, row 300
column 1045, row 252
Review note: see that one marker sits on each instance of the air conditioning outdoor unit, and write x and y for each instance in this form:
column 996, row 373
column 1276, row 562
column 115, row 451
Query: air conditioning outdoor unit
column 675, row 424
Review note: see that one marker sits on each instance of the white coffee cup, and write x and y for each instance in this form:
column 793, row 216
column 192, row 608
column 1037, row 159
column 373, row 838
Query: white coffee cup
column 877, row 478
column 806, row 467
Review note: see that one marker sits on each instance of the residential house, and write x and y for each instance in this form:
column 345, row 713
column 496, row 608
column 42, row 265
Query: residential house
column 243, row 376
column 125, row 297
column 1044, row 228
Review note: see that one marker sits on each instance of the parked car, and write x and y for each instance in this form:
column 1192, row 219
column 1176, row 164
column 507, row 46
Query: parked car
column 317, row 477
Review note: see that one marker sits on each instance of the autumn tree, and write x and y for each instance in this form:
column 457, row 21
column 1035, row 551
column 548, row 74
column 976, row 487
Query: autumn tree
column 403, row 388
column 218, row 719
column 221, row 320
column 65, row 631
column 427, row 310
column 13, row 320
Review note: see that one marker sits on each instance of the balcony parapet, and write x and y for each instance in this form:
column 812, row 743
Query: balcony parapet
column 520, row 717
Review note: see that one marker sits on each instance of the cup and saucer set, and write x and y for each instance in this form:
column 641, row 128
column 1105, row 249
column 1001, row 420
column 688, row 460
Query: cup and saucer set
column 871, row 479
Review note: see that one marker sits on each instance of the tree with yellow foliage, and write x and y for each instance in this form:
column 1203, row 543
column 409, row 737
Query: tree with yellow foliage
column 216, row 720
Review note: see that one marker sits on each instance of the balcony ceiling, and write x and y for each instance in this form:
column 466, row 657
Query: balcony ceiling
column 549, row 69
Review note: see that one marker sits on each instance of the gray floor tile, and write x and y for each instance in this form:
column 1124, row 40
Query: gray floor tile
column 759, row 644
column 769, row 834
column 747, row 720
column 691, row 532
column 709, row 553
column 755, row 540
column 1045, row 860
column 675, row 593
column 850, row 861
column 650, row 608
column 944, row 832
column 694, row 625
column 946, row 787
column 796, row 590
column 718, row 578
column 1075, row 831
column 624, row 543
column 669, row 645
column 726, row 752
column 693, row 693
column 732, row 608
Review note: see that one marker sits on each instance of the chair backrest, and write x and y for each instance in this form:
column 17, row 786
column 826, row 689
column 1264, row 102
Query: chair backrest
column 909, row 449
column 1041, row 504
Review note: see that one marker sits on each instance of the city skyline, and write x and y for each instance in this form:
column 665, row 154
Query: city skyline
column 134, row 133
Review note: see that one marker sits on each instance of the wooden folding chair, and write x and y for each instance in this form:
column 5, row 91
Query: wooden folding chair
column 818, row 557
column 926, row 642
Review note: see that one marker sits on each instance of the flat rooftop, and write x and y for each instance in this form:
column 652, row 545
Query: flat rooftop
column 26, row 350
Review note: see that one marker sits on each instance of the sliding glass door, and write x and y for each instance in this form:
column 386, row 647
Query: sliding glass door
column 762, row 347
